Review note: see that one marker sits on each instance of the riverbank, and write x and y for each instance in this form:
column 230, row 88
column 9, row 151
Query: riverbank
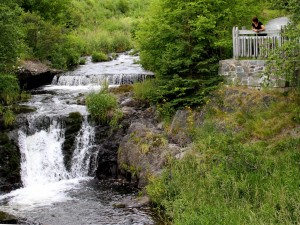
column 243, row 165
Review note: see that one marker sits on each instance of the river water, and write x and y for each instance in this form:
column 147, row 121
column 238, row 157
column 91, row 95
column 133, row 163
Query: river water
column 51, row 194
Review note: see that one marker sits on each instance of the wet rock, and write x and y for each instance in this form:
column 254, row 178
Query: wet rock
column 133, row 202
column 6, row 218
column 107, row 142
column 18, row 109
column 143, row 152
column 9, row 164
column 33, row 74
column 72, row 126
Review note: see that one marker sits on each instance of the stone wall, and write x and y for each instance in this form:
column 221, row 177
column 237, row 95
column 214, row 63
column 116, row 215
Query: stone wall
column 249, row 73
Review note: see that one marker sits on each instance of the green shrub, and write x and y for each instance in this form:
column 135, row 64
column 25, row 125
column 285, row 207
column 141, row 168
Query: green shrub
column 8, row 117
column 99, row 57
column 11, row 36
column 82, row 61
column 121, row 42
column 103, row 107
column 9, row 89
column 145, row 91
column 177, row 93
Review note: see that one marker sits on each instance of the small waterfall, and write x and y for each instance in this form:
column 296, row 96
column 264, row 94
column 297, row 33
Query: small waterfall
column 81, row 161
column 69, row 79
column 42, row 157
column 122, row 70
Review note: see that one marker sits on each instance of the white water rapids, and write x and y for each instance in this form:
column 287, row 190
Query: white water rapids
column 51, row 194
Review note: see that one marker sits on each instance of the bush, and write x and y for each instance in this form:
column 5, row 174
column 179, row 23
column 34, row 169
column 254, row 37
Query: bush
column 11, row 36
column 9, row 89
column 82, row 61
column 103, row 107
column 8, row 118
column 99, row 57
column 177, row 93
column 121, row 42
column 145, row 91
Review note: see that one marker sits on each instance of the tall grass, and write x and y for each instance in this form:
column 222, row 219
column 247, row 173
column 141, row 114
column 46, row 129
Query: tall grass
column 242, row 173
column 107, row 25
column 103, row 107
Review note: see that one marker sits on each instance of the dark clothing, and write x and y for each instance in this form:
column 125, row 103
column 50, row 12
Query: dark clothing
column 258, row 27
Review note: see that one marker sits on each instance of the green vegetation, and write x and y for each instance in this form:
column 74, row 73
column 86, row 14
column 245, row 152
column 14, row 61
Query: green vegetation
column 188, row 38
column 287, row 58
column 58, row 33
column 103, row 107
column 244, row 167
column 176, row 93
column 99, row 57
column 9, row 94
column 11, row 33
column 182, row 42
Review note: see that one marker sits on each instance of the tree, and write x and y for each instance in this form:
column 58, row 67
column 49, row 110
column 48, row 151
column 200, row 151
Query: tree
column 189, row 37
column 57, row 11
column 11, row 34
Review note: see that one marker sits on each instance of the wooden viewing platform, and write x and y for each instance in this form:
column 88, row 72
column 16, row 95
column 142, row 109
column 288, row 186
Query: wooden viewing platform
column 247, row 44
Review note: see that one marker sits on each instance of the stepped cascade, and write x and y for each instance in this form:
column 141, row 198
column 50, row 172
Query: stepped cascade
column 59, row 158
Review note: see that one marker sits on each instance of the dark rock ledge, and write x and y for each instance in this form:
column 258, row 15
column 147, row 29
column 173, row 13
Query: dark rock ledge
column 33, row 74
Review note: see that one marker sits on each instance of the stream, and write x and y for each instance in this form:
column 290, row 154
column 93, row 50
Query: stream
column 51, row 193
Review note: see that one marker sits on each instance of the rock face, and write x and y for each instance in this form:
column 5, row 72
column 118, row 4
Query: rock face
column 10, row 164
column 72, row 126
column 146, row 147
column 33, row 74
column 143, row 152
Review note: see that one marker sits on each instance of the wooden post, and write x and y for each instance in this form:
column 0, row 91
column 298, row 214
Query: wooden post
column 233, row 43
column 236, row 45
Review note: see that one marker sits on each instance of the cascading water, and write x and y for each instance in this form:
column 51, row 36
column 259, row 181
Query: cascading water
column 82, row 156
column 51, row 193
column 41, row 156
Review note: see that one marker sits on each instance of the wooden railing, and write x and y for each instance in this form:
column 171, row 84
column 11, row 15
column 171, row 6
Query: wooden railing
column 247, row 44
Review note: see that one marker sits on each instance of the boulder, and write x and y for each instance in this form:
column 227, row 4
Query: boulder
column 33, row 74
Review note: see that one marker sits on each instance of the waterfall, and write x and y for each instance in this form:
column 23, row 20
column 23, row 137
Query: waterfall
column 83, row 154
column 69, row 79
column 42, row 157
column 59, row 158
column 122, row 70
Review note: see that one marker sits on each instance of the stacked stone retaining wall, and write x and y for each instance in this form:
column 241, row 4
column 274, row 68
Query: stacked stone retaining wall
column 250, row 73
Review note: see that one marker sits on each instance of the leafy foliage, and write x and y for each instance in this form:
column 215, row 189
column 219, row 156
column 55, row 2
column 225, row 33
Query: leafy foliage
column 9, row 89
column 176, row 93
column 9, row 94
column 286, row 59
column 188, row 38
column 57, row 11
column 11, row 34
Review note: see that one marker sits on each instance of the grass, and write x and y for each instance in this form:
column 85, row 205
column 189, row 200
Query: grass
column 103, row 107
column 99, row 57
column 244, row 167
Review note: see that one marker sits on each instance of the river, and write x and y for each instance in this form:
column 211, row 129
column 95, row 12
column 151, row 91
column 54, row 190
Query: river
column 51, row 193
